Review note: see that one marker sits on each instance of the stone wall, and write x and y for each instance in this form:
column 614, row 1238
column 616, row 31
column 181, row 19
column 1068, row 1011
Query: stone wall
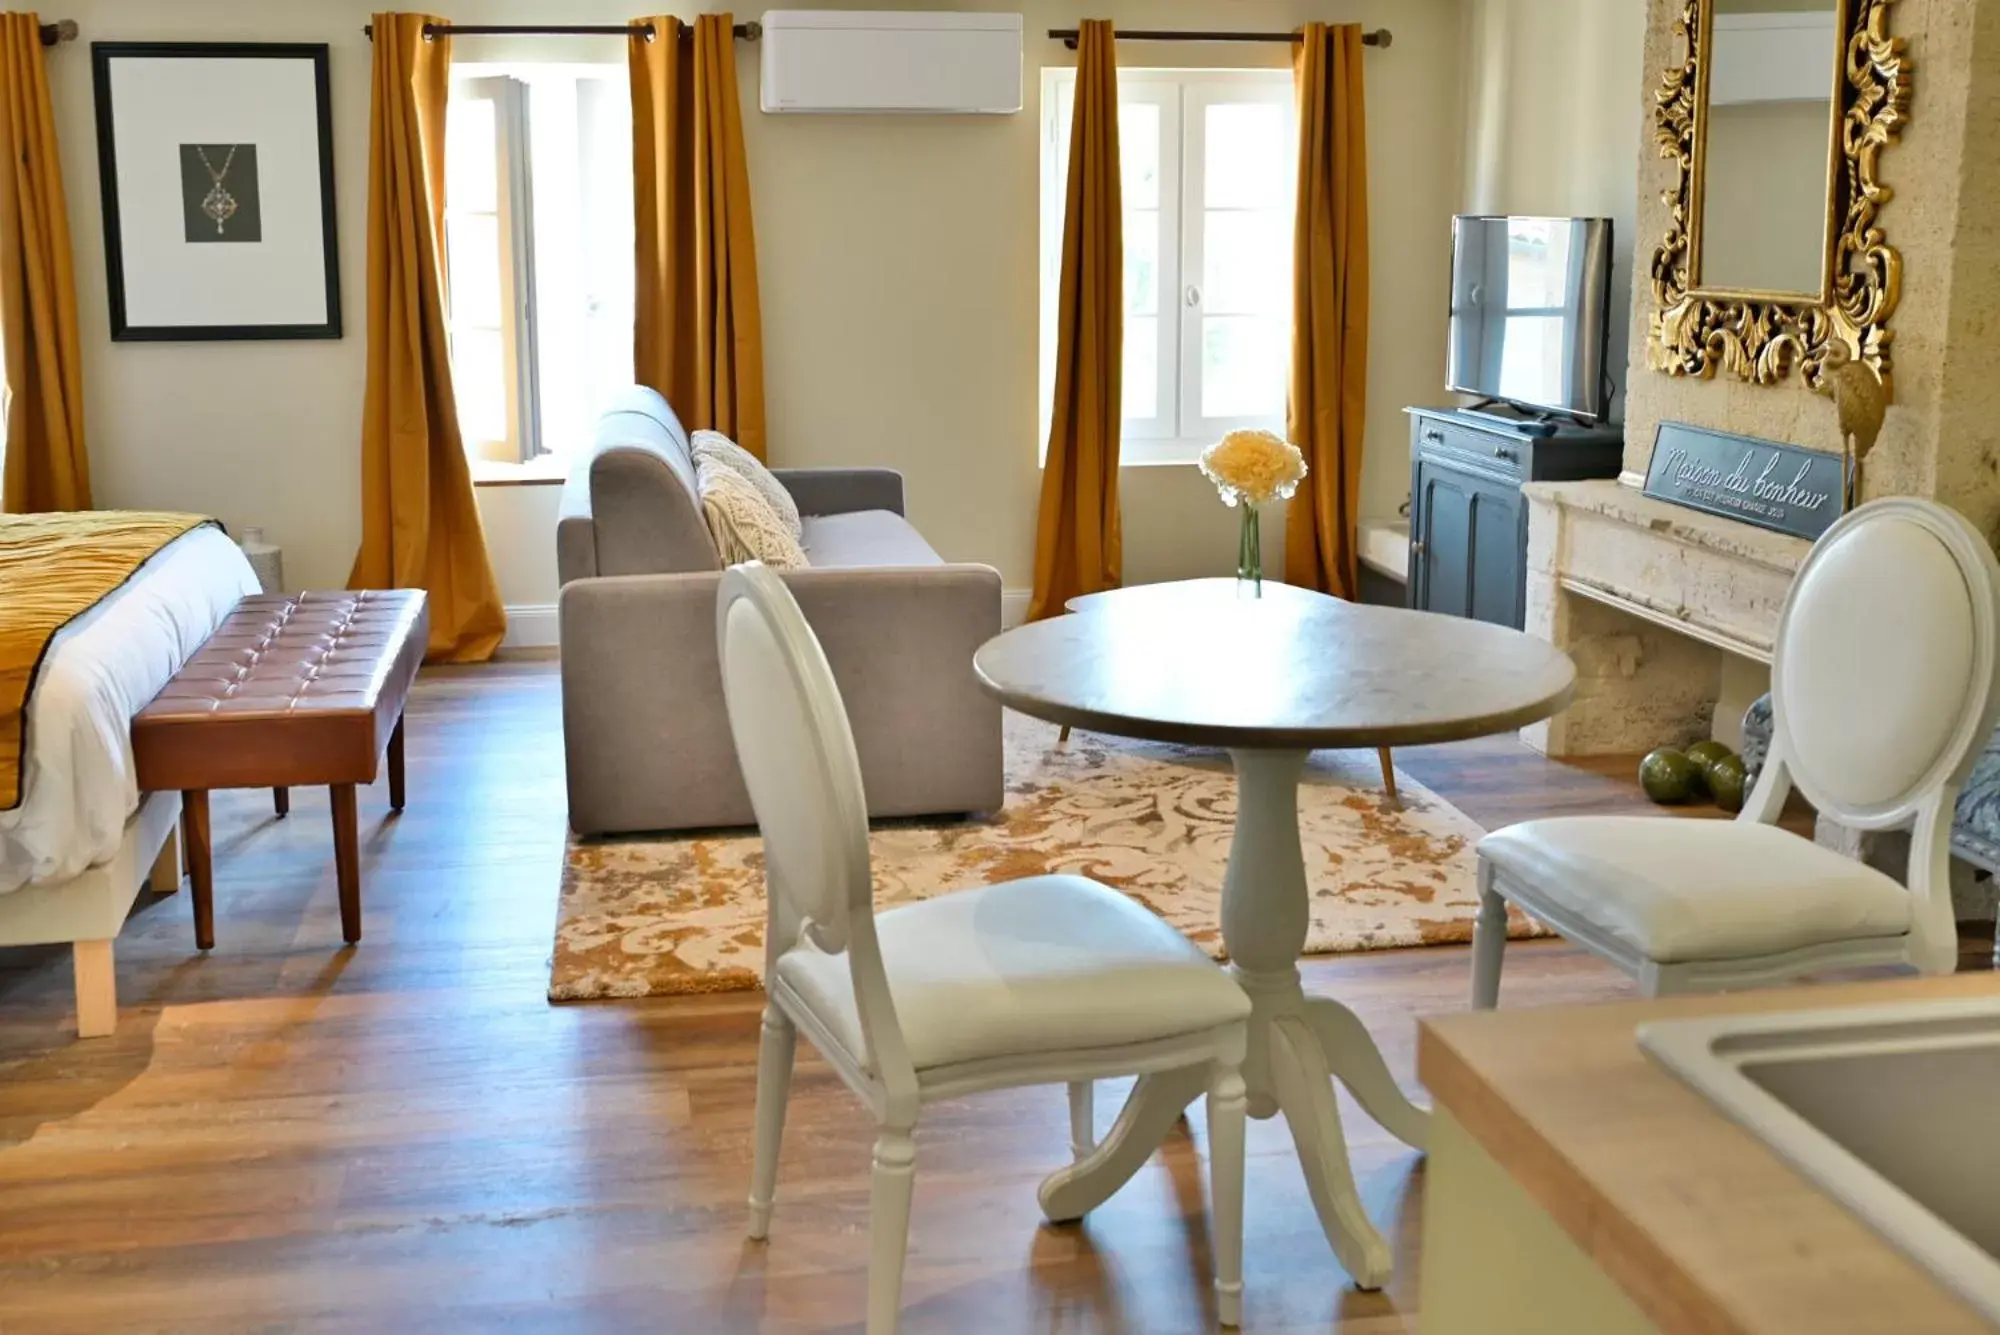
column 1942, row 438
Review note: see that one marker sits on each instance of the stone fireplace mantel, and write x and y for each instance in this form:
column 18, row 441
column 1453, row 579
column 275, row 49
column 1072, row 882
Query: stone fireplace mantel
column 1669, row 613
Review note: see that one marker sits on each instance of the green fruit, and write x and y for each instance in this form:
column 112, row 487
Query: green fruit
column 1668, row 776
column 1726, row 780
column 1704, row 755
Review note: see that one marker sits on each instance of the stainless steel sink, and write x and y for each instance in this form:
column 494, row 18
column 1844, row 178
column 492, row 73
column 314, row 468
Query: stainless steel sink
column 1893, row 1110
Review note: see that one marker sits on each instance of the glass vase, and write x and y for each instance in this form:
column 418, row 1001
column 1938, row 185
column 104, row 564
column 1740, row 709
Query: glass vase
column 1250, row 553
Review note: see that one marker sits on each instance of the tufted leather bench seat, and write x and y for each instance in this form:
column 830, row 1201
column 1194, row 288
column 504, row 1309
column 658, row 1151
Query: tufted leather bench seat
column 291, row 689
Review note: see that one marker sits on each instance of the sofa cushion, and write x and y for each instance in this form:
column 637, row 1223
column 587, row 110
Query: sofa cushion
column 638, row 418
column 714, row 447
column 742, row 522
column 644, row 504
column 866, row 538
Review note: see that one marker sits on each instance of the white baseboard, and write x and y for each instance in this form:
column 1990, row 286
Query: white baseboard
column 531, row 626
column 1014, row 607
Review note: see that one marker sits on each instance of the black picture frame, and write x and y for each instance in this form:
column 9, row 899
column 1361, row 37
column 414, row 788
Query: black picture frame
column 103, row 56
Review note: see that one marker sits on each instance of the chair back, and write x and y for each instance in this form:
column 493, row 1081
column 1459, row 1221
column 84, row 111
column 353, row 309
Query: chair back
column 1883, row 683
column 796, row 751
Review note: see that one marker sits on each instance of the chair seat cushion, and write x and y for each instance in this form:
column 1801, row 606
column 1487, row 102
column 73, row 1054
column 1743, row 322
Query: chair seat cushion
column 866, row 538
column 1045, row 964
column 1678, row 890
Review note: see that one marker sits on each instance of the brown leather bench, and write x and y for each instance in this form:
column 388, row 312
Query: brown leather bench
column 290, row 690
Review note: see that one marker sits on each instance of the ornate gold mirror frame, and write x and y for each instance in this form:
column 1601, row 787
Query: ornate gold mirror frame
column 1765, row 336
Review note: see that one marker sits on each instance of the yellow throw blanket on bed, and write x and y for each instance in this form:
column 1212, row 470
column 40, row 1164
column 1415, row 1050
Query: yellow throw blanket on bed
column 53, row 569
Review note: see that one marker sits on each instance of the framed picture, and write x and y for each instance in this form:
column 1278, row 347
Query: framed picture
column 216, row 162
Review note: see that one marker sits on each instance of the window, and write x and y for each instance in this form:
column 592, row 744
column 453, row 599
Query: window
column 538, row 246
column 1209, row 165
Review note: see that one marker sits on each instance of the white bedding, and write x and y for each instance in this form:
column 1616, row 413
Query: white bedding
column 77, row 787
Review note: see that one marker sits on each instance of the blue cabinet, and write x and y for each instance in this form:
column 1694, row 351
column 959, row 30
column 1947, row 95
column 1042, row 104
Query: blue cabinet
column 1468, row 519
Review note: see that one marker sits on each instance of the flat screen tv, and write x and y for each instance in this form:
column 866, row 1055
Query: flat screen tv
column 1530, row 308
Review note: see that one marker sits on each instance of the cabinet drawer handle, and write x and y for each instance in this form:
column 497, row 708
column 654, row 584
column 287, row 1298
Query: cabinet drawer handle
column 1502, row 452
column 1434, row 436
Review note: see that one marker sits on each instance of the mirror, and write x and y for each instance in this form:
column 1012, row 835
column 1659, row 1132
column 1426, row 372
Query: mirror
column 1777, row 115
column 1764, row 148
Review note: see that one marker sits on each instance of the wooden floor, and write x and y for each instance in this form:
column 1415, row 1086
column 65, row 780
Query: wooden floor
column 289, row 1136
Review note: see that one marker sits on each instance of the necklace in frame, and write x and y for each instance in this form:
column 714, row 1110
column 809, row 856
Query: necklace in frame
column 218, row 204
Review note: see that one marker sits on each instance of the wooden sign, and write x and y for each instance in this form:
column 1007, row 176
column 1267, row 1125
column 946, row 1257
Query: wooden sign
column 1785, row 488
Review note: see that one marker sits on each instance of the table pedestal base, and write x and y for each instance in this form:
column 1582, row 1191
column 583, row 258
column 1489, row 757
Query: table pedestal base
column 1298, row 1044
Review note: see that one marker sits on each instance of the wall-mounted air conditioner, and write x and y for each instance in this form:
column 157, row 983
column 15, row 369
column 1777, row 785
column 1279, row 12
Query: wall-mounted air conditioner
column 860, row 61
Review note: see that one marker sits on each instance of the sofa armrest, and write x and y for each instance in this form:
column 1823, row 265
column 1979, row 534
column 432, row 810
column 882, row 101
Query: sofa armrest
column 576, row 529
column 839, row 491
column 646, row 733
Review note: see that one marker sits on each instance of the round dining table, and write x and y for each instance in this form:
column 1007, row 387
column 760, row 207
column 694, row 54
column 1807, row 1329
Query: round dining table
column 1270, row 679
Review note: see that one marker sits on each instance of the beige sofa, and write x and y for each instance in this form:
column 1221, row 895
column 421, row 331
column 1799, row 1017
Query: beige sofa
column 646, row 738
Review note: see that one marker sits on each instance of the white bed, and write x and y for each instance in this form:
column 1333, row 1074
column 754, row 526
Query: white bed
column 75, row 850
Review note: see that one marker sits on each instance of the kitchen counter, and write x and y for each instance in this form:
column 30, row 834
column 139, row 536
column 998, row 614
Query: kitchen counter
column 1655, row 1211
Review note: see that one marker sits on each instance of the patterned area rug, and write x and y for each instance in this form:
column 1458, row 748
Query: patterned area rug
column 666, row 916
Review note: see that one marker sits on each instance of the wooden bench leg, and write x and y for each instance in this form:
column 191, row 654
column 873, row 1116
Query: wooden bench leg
column 347, row 860
column 396, row 766
column 281, row 802
column 1389, row 775
column 96, row 989
column 165, row 877
column 201, row 868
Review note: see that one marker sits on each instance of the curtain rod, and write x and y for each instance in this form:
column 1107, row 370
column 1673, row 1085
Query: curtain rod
column 65, row 31
column 1381, row 37
column 749, row 32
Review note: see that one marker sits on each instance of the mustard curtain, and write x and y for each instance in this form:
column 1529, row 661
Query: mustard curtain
column 1329, row 384
column 698, row 337
column 1078, row 544
column 420, row 524
column 47, row 466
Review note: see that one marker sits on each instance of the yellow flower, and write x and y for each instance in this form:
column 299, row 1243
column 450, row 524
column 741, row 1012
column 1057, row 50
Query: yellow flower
column 1253, row 467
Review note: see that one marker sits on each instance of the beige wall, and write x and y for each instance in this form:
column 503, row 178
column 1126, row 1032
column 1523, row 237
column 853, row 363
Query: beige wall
column 1942, row 438
column 1553, row 119
column 898, row 260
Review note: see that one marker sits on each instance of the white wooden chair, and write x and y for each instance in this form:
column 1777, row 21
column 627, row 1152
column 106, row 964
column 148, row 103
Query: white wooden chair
column 1883, row 684
column 1051, row 979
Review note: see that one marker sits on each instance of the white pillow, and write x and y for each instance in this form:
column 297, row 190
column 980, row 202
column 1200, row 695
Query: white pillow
column 741, row 521
column 718, row 448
